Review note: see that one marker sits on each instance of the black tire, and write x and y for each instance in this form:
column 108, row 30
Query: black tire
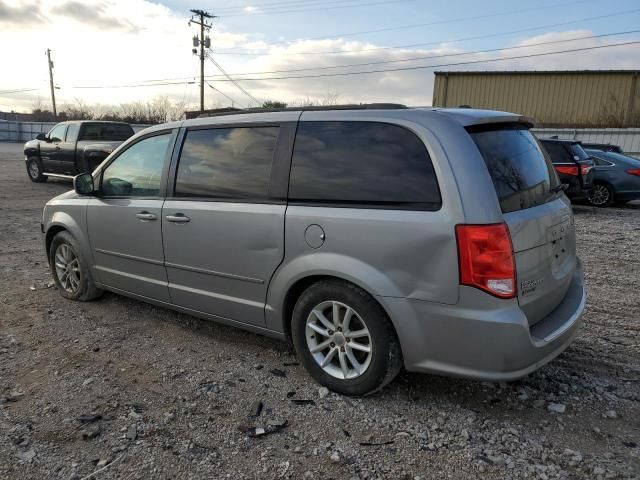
column 34, row 170
column 601, row 195
column 386, row 355
column 86, row 289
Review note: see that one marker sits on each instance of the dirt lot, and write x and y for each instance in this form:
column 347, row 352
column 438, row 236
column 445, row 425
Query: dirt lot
column 169, row 396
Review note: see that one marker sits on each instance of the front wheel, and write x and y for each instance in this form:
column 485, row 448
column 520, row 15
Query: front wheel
column 600, row 195
column 34, row 170
column 71, row 273
column 345, row 339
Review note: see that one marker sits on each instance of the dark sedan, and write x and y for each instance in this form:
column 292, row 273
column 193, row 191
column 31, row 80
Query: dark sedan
column 616, row 178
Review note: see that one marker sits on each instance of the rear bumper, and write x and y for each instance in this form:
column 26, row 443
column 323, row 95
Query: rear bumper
column 491, row 342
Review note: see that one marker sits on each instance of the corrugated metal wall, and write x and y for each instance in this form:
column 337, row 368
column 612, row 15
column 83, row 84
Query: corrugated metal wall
column 578, row 99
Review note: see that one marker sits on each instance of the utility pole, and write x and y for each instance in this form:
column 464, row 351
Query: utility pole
column 198, row 18
column 53, row 93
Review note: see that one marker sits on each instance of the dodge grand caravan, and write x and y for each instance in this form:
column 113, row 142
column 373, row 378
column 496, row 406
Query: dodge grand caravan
column 374, row 237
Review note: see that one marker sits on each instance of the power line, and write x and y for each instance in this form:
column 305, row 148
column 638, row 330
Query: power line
column 414, row 25
column 288, row 4
column 161, row 84
column 18, row 90
column 425, row 57
column 226, row 96
column 437, row 42
column 345, row 74
column 279, row 12
column 233, row 81
column 174, row 81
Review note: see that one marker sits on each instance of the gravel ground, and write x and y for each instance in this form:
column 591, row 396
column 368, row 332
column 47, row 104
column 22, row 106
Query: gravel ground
column 128, row 390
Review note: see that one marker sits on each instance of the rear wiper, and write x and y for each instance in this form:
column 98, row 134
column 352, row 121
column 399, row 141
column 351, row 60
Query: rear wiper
column 560, row 187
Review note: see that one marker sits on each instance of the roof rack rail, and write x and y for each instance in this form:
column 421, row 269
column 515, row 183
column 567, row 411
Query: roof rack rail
column 361, row 106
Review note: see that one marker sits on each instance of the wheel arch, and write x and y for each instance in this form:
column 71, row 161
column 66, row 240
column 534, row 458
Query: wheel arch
column 280, row 317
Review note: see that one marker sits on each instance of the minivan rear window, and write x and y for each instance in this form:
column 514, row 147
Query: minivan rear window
column 522, row 175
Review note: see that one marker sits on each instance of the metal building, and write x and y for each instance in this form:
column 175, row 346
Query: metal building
column 588, row 98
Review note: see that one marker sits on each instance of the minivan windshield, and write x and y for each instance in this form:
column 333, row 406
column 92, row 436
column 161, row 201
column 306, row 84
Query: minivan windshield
column 522, row 175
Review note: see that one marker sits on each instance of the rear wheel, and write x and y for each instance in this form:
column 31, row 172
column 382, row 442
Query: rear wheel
column 345, row 339
column 601, row 195
column 34, row 170
column 71, row 273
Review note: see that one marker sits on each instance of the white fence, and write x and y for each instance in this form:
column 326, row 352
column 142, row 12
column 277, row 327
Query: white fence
column 25, row 131
column 627, row 138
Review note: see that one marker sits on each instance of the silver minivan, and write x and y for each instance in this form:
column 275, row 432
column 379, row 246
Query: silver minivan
column 373, row 237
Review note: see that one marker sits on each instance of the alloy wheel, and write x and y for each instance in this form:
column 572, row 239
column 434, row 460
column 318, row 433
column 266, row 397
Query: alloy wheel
column 599, row 195
column 34, row 170
column 67, row 268
column 339, row 340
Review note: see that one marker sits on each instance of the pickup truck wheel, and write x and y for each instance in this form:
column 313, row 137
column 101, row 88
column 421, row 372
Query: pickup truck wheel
column 71, row 273
column 34, row 170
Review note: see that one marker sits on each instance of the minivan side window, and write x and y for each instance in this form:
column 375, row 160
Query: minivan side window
column 350, row 163
column 229, row 163
column 137, row 171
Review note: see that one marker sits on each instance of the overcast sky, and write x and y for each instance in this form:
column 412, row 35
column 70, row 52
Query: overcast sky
column 107, row 43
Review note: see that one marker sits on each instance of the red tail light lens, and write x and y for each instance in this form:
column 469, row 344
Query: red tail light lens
column 634, row 171
column 568, row 170
column 584, row 169
column 486, row 258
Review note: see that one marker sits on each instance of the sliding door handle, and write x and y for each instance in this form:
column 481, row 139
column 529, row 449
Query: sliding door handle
column 146, row 216
column 178, row 218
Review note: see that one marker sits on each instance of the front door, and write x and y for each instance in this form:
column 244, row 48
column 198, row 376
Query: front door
column 50, row 149
column 223, row 234
column 124, row 220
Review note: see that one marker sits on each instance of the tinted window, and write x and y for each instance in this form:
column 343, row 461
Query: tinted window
column 579, row 151
column 557, row 152
column 521, row 175
column 72, row 132
column 106, row 131
column 137, row 171
column 362, row 163
column 57, row 133
column 227, row 163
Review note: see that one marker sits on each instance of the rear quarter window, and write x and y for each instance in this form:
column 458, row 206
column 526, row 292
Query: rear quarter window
column 362, row 164
column 521, row 174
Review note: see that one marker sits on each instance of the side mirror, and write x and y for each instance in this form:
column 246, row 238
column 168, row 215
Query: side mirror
column 41, row 136
column 83, row 184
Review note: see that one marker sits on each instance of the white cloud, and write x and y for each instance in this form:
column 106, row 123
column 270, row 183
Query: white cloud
column 130, row 41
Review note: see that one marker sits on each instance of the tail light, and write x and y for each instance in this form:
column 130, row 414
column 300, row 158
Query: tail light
column 568, row 170
column 584, row 169
column 634, row 171
column 486, row 258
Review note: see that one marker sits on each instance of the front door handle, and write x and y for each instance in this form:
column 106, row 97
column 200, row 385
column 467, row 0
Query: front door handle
column 178, row 218
column 146, row 216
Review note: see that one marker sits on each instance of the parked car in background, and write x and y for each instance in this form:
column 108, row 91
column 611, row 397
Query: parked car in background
column 605, row 147
column 616, row 178
column 73, row 147
column 573, row 165
column 372, row 236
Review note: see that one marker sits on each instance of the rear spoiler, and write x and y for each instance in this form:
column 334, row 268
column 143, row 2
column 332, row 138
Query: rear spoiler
column 468, row 117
